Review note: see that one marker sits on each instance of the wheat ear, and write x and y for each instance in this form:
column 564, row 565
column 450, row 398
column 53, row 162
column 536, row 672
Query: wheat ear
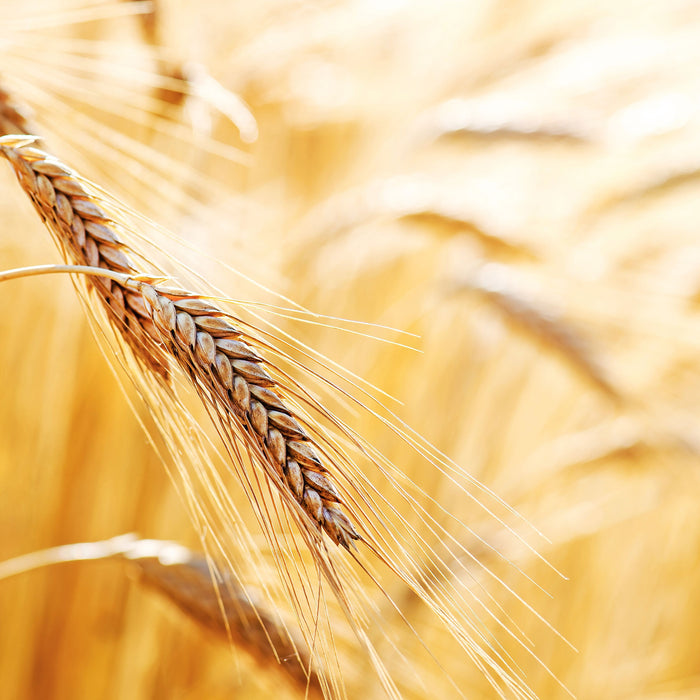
column 14, row 117
column 162, row 324
column 539, row 323
column 224, row 607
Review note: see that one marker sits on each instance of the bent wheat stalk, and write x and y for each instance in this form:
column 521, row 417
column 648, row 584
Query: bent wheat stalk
column 163, row 324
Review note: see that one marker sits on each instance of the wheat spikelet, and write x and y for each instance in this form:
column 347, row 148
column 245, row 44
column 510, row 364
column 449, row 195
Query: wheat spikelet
column 159, row 324
column 81, row 231
column 662, row 181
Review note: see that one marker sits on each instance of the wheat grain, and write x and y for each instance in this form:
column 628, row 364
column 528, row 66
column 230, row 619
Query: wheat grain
column 164, row 324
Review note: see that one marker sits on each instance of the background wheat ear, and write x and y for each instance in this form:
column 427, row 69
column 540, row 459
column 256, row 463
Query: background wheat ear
column 15, row 118
column 214, row 599
column 204, row 594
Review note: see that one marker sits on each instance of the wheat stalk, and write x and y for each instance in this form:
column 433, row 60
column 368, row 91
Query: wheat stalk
column 163, row 324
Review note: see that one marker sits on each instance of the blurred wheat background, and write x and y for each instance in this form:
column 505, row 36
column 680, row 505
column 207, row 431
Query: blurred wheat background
column 513, row 181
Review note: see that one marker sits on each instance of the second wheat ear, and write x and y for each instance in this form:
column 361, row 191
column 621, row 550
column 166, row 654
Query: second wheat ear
column 166, row 326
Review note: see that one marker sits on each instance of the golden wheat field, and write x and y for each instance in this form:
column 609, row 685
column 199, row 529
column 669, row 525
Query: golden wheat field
column 382, row 377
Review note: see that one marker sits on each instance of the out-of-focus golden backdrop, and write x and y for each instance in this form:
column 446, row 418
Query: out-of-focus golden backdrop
column 515, row 181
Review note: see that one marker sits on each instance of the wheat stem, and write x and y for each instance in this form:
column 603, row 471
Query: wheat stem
column 128, row 281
